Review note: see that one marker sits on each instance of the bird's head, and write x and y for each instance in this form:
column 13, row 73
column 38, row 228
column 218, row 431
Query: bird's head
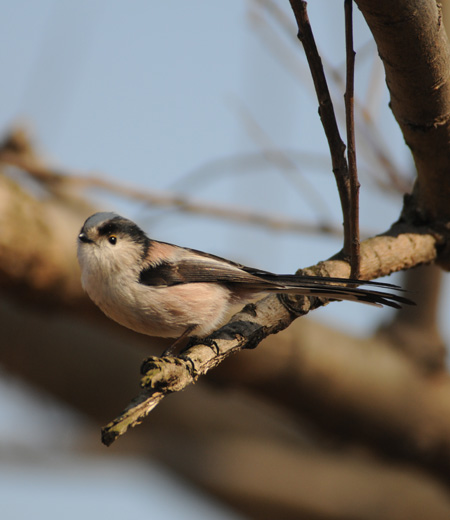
column 110, row 243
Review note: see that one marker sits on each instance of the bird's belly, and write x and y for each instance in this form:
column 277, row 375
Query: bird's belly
column 167, row 311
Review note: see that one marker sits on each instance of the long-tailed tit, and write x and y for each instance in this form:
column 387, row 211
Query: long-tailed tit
column 165, row 290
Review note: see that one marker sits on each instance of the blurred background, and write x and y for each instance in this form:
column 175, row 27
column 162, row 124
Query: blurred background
column 199, row 121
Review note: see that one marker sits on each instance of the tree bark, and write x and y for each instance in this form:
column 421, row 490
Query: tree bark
column 414, row 48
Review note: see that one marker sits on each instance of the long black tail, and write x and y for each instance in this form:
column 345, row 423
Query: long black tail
column 337, row 289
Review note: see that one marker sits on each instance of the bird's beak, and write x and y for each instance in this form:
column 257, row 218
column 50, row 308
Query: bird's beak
column 82, row 237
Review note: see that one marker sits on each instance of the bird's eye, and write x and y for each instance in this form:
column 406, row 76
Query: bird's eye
column 112, row 239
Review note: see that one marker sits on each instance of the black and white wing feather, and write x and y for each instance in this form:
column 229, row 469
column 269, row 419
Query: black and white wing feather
column 191, row 266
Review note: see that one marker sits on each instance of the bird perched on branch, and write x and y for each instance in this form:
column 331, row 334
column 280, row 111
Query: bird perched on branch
column 165, row 290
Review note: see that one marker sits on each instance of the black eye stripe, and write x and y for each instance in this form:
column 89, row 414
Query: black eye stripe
column 126, row 230
column 108, row 228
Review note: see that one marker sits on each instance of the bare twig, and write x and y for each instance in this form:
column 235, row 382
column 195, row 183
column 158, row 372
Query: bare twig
column 327, row 116
column 370, row 137
column 284, row 162
column 351, row 152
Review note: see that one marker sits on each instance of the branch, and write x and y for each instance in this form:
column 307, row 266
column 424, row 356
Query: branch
column 401, row 248
column 357, row 392
column 351, row 149
column 62, row 184
column 328, row 118
column 379, row 158
column 414, row 331
column 285, row 163
column 415, row 51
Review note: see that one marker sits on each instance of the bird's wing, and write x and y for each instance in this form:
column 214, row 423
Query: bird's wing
column 192, row 266
column 196, row 267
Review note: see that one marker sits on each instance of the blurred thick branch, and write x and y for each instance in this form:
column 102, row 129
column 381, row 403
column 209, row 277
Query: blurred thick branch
column 15, row 151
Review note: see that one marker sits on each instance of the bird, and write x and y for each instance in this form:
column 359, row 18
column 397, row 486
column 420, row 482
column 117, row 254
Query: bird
column 161, row 289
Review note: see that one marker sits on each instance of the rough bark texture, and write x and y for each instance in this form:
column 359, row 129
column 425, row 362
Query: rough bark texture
column 414, row 48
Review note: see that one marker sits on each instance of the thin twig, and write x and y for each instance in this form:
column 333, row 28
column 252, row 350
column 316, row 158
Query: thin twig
column 327, row 116
column 56, row 180
column 351, row 152
column 372, row 139
column 284, row 162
